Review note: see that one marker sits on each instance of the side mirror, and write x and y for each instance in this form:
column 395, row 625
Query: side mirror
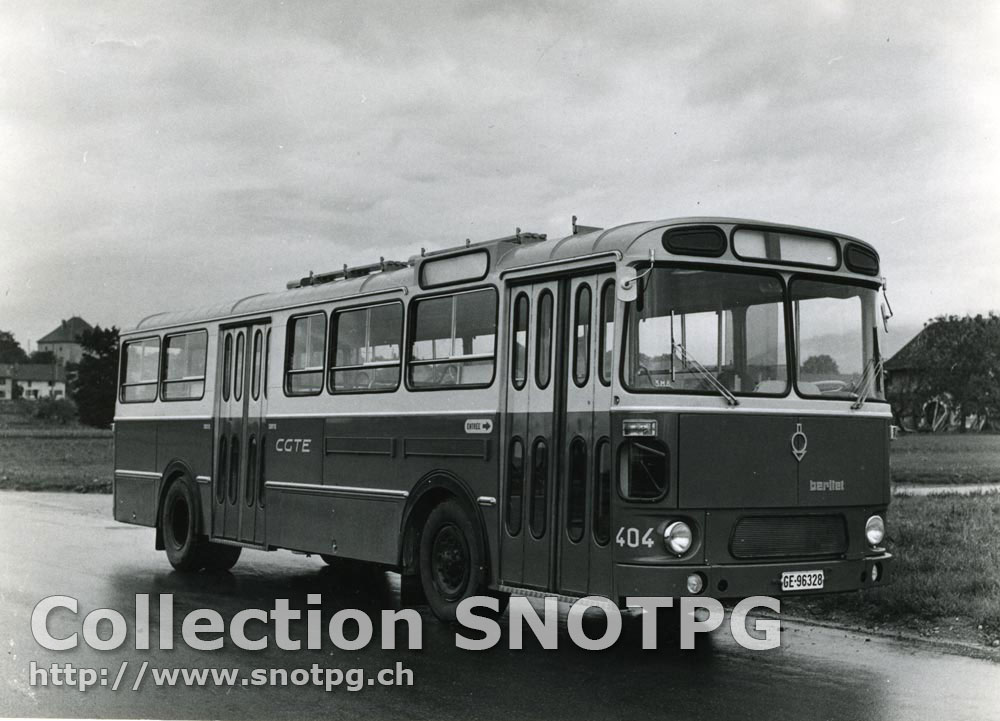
column 626, row 284
column 886, row 315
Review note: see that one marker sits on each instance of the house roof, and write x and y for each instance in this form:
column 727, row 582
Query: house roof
column 68, row 331
column 33, row 371
column 910, row 356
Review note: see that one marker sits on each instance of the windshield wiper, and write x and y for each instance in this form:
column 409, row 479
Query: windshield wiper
column 863, row 388
column 704, row 373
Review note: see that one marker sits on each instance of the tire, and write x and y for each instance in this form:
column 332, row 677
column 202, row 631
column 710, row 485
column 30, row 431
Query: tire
column 187, row 550
column 452, row 560
column 221, row 557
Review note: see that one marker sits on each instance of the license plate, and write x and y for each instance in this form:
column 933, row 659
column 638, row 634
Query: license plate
column 801, row 580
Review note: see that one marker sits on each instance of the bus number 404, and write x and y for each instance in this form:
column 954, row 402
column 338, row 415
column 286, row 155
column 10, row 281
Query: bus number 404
column 634, row 537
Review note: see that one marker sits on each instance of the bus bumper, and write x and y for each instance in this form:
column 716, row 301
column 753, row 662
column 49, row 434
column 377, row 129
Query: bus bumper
column 758, row 579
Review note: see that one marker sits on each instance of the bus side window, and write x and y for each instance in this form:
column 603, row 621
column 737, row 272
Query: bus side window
column 543, row 340
column 606, row 333
column 365, row 349
column 306, row 347
column 140, row 370
column 519, row 342
column 184, row 357
column 454, row 340
column 581, row 336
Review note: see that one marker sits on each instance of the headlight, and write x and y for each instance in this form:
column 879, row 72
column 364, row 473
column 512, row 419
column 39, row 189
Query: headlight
column 677, row 537
column 874, row 530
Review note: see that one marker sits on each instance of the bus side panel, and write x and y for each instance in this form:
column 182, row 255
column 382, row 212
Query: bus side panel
column 190, row 442
column 393, row 453
column 295, row 450
column 135, row 453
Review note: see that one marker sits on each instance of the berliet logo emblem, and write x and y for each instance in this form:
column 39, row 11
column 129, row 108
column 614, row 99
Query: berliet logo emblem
column 799, row 443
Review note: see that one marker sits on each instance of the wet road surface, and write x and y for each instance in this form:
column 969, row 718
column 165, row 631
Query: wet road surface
column 67, row 544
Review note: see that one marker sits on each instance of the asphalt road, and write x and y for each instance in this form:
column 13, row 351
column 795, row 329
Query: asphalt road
column 67, row 544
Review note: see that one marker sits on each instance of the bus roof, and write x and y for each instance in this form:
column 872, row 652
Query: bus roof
column 512, row 252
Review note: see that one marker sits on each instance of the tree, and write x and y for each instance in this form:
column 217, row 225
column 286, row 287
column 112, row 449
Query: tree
column 10, row 350
column 94, row 380
column 820, row 365
column 961, row 357
column 43, row 356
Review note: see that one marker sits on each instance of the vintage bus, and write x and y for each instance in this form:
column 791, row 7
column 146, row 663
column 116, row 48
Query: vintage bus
column 668, row 408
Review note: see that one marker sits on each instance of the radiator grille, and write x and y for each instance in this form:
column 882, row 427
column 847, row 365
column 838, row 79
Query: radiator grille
column 789, row 537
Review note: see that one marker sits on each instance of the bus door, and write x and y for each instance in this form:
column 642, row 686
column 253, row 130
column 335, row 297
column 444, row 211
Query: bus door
column 238, row 512
column 530, row 434
column 584, row 471
column 557, row 458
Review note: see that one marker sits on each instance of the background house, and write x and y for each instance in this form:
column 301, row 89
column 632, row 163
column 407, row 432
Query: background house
column 35, row 380
column 64, row 341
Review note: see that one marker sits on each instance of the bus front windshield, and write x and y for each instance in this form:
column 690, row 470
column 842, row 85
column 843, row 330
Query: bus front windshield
column 707, row 331
column 836, row 340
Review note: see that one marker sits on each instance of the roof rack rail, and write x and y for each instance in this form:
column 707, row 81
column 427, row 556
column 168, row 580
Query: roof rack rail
column 347, row 273
column 519, row 237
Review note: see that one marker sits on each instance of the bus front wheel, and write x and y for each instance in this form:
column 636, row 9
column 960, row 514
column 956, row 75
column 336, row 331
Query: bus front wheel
column 186, row 549
column 452, row 560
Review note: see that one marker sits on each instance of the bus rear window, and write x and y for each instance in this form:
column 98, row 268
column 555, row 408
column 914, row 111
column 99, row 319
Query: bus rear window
column 184, row 366
column 140, row 368
column 304, row 357
column 453, row 341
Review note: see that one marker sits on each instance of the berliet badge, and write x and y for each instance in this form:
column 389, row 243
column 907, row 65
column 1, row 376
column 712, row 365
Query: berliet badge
column 799, row 443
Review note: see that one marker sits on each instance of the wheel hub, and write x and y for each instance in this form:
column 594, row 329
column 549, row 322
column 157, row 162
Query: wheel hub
column 450, row 562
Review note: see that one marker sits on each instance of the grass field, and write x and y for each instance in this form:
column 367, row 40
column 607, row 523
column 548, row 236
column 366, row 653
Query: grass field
column 56, row 460
column 946, row 574
column 946, row 458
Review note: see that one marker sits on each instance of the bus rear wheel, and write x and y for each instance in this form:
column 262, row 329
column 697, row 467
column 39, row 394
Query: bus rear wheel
column 186, row 549
column 452, row 560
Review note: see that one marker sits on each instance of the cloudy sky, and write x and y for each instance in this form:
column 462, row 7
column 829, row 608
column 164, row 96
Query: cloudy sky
column 162, row 155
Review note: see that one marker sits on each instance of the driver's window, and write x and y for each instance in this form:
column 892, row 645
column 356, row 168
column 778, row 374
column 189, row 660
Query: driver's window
column 365, row 350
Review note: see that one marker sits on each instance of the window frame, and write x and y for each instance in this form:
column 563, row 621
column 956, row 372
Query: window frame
column 605, row 443
column 602, row 335
column 287, row 370
column 624, row 452
column 582, row 496
column 547, row 484
column 546, row 292
column 257, row 361
column 123, row 370
column 630, row 308
column 332, row 348
column 163, row 368
column 515, row 532
column 788, row 231
column 411, row 323
column 239, row 364
column 793, row 341
column 521, row 295
column 575, row 325
column 431, row 259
